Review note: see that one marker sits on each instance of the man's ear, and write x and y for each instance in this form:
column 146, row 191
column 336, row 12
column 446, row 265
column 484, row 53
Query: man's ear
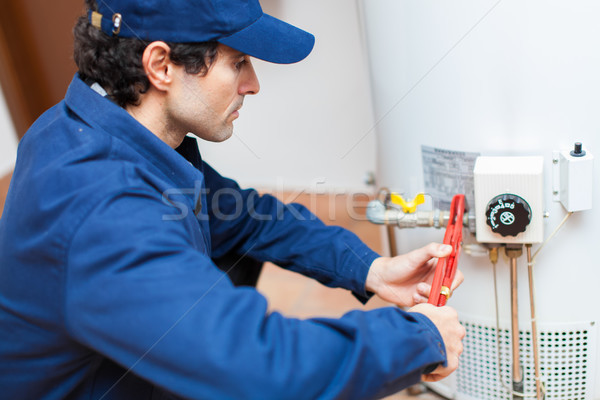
column 157, row 64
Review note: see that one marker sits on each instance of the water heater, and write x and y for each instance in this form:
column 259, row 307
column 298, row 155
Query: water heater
column 491, row 98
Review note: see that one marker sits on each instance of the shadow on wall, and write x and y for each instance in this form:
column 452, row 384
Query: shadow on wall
column 36, row 55
column 4, row 183
column 36, row 64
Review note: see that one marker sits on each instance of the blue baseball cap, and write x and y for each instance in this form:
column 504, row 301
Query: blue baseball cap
column 240, row 24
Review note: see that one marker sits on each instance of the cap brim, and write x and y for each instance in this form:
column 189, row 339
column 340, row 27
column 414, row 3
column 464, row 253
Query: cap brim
column 272, row 40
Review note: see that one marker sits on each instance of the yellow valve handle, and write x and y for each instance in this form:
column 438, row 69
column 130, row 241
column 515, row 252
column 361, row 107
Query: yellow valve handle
column 408, row 207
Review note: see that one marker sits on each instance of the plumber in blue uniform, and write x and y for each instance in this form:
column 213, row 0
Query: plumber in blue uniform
column 127, row 262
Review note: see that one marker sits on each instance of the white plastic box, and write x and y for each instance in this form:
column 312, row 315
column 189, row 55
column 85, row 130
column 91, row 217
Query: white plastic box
column 573, row 188
column 512, row 178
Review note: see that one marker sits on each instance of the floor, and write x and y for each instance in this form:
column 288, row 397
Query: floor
column 295, row 295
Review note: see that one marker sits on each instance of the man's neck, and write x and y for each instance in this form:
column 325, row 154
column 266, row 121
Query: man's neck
column 150, row 114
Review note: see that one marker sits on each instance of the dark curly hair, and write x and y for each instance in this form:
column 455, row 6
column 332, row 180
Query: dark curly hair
column 116, row 63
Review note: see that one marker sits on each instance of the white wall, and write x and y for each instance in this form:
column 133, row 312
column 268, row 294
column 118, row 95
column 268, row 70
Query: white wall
column 310, row 125
column 8, row 139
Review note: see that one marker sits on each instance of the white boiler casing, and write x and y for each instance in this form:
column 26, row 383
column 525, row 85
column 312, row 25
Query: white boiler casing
column 499, row 78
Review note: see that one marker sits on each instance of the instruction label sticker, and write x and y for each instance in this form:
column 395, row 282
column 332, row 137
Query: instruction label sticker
column 446, row 173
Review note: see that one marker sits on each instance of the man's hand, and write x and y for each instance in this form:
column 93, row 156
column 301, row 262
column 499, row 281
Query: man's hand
column 446, row 321
column 405, row 280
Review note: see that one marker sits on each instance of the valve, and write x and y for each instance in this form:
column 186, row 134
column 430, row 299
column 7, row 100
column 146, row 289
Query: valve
column 408, row 207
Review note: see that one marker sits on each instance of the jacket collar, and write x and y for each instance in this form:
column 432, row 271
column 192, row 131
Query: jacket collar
column 100, row 112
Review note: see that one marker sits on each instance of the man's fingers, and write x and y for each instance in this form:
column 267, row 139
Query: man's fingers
column 452, row 332
column 418, row 298
column 431, row 378
column 438, row 249
column 426, row 253
column 424, row 289
column 458, row 279
column 441, row 372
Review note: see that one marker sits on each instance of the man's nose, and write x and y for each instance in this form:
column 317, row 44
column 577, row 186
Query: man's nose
column 249, row 83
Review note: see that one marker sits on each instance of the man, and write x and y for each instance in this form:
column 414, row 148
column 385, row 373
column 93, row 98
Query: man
column 108, row 286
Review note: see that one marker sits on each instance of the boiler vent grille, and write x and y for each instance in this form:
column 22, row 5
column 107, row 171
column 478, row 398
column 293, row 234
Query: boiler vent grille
column 566, row 361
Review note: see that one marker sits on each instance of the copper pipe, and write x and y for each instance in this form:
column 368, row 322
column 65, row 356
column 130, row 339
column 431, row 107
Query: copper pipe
column 517, row 377
column 384, row 198
column 514, row 310
column 392, row 240
column 534, row 335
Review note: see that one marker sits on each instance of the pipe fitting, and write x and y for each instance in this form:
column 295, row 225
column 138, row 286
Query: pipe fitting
column 378, row 213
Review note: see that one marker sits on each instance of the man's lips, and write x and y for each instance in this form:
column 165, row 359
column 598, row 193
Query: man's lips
column 236, row 111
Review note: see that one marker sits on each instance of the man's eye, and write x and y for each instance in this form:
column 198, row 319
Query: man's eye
column 240, row 64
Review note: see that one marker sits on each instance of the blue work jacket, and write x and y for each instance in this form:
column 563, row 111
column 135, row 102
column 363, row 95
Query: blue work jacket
column 108, row 289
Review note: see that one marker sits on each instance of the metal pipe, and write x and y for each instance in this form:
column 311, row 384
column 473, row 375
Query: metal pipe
column 493, row 254
column 534, row 335
column 517, row 377
column 514, row 309
column 378, row 213
column 392, row 240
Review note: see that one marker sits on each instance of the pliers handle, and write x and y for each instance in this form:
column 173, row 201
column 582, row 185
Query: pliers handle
column 446, row 266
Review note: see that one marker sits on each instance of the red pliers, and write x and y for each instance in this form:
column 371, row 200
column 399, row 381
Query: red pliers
column 446, row 267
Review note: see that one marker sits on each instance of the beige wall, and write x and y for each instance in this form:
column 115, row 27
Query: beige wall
column 310, row 126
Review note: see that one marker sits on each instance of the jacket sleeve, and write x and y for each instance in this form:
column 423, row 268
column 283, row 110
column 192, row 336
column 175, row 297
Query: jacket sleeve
column 288, row 235
column 138, row 292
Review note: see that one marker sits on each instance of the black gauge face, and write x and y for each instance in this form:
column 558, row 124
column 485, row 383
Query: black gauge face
column 508, row 214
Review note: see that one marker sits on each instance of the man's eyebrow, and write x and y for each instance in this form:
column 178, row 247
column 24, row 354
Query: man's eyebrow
column 237, row 54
